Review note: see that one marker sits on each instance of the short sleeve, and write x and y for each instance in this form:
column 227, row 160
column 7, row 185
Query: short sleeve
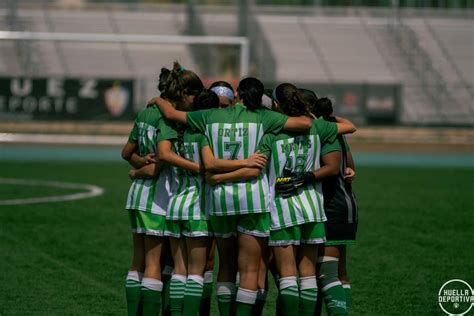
column 198, row 119
column 265, row 145
column 203, row 141
column 133, row 136
column 328, row 147
column 273, row 122
column 327, row 132
column 165, row 130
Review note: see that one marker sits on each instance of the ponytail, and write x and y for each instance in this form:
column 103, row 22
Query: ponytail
column 290, row 100
column 178, row 81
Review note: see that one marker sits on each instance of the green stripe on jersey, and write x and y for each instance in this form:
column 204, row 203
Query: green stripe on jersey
column 235, row 133
column 186, row 198
column 150, row 195
column 300, row 153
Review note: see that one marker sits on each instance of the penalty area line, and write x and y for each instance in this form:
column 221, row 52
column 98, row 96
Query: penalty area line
column 91, row 191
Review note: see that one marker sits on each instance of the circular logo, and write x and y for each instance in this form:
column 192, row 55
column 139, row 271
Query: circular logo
column 456, row 297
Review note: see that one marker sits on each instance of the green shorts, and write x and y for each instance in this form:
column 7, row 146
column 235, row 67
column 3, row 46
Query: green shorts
column 188, row 228
column 310, row 233
column 257, row 225
column 147, row 223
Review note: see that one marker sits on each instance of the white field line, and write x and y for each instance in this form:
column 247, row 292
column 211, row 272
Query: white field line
column 62, row 139
column 92, row 191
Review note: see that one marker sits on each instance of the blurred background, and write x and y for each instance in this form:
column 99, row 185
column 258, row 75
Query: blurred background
column 383, row 62
column 74, row 73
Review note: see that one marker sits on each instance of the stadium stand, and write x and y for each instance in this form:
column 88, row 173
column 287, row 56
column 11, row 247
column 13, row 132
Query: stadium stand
column 430, row 56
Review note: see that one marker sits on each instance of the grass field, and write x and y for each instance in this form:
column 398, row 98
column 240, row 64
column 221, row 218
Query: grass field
column 416, row 232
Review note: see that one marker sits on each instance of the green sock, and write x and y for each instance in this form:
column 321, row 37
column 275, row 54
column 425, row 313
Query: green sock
column 259, row 303
column 243, row 309
column 225, row 298
column 289, row 296
column 177, row 287
column 348, row 294
column 205, row 306
column 245, row 302
column 331, row 288
column 133, row 292
column 165, row 297
column 335, row 300
column 308, row 295
column 192, row 295
column 151, row 296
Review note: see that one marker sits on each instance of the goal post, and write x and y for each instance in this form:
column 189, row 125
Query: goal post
column 137, row 39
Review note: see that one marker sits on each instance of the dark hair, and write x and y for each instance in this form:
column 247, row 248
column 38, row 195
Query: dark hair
column 310, row 98
column 178, row 81
column 221, row 84
column 206, row 99
column 323, row 108
column 250, row 91
column 290, row 100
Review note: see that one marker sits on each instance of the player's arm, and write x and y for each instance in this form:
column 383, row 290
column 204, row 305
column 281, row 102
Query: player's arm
column 344, row 126
column 331, row 162
column 215, row 165
column 129, row 153
column 146, row 172
column 288, row 184
column 168, row 110
column 297, row 124
column 233, row 176
column 350, row 173
column 166, row 155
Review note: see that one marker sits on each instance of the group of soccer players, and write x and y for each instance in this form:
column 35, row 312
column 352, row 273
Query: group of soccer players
column 263, row 175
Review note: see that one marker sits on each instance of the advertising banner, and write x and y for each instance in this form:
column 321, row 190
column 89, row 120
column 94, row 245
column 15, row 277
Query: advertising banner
column 66, row 98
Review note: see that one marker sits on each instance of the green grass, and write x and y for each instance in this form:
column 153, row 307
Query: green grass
column 415, row 233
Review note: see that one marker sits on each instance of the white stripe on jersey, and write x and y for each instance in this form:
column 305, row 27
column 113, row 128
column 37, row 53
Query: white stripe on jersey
column 307, row 206
column 142, row 196
column 186, row 194
column 237, row 141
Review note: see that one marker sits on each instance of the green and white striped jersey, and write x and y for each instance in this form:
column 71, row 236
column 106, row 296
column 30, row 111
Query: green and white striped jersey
column 150, row 195
column 234, row 133
column 188, row 192
column 299, row 153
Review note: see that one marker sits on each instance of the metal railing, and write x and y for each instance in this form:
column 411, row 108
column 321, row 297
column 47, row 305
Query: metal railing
column 432, row 83
column 23, row 49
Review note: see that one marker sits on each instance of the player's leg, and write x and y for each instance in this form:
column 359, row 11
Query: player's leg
column 224, row 229
column 312, row 234
column 205, row 307
column 287, row 283
column 151, row 286
column 151, row 282
column 342, row 272
column 276, row 278
column 179, row 277
column 197, row 240
column 135, row 272
column 253, row 232
column 262, row 283
column 328, row 280
column 166, row 273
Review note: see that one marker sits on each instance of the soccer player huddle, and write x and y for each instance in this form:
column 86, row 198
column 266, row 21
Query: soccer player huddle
column 262, row 175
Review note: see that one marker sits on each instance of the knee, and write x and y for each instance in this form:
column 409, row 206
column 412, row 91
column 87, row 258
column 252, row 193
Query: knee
column 328, row 270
